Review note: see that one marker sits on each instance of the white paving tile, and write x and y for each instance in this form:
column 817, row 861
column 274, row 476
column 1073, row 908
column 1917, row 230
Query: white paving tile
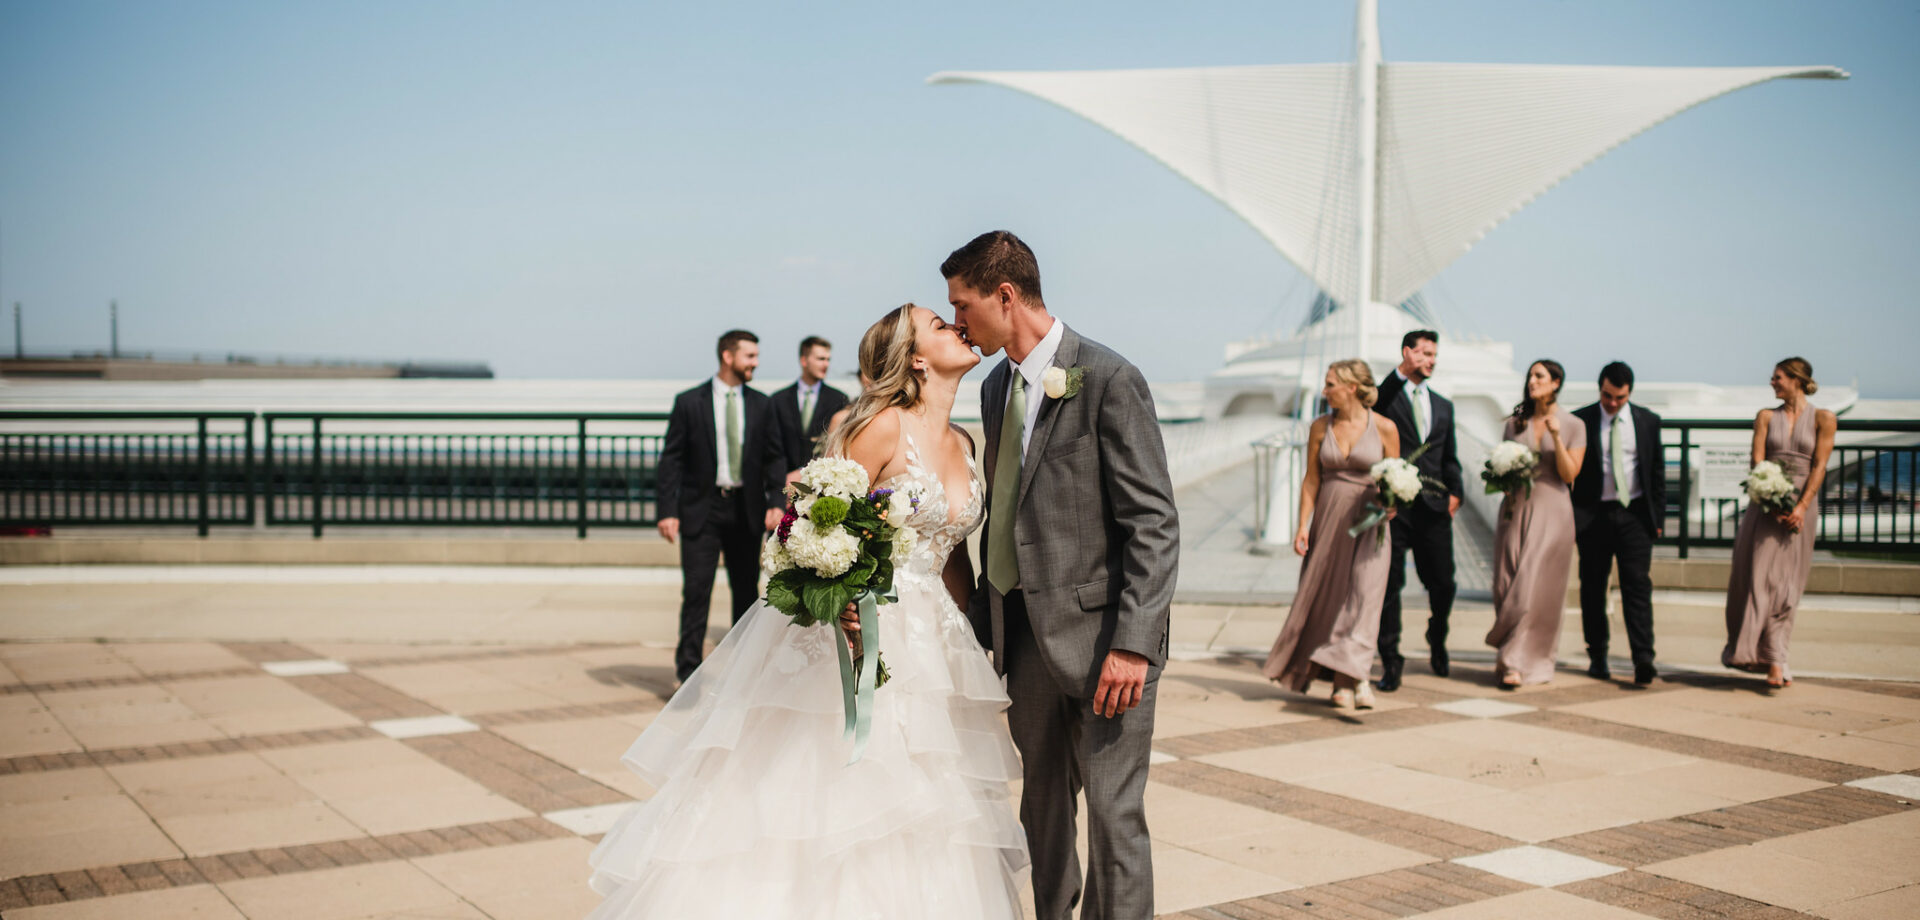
column 593, row 819
column 1158, row 757
column 1538, row 865
column 305, row 667
column 422, row 726
column 1479, row 708
column 1900, row 784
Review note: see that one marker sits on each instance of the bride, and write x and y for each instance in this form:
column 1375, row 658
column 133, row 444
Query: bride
column 757, row 812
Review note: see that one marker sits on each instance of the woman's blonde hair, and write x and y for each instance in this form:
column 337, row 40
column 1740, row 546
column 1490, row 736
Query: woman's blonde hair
column 886, row 360
column 1356, row 372
column 1798, row 369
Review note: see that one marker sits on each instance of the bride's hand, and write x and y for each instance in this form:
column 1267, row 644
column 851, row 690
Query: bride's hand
column 850, row 627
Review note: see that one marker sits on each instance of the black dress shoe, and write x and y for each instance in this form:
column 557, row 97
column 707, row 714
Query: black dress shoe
column 1598, row 670
column 1643, row 674
column 1389, row 677
column 1438, row 659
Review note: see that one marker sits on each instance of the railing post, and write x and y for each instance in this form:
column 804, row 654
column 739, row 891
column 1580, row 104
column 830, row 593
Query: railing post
column 319, row 466
column 266, row 473
column 580, row 482
column 247, row 478
column 1686, row 486
column 200, row 467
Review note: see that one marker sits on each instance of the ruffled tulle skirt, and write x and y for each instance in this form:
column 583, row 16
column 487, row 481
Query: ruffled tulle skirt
column 757, row 813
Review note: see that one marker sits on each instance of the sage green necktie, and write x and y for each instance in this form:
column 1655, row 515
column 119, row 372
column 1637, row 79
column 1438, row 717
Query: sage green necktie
column 1419, row 413
column 806, row 410
column 1003, row 566
column 1618, row 450
column 733, row 436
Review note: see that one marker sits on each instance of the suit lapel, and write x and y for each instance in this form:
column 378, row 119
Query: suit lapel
column 704, row 403
column 1064, row 356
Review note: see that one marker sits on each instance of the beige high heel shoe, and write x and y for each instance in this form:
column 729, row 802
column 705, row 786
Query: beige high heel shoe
column 1342, row 698
column 1363, row 696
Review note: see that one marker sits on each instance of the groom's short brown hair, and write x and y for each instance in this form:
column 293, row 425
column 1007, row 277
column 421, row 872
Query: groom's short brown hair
column 995, row 258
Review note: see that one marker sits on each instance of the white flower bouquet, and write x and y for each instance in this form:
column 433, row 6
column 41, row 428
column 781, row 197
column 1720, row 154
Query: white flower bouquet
column 1510, row 467
column 1767, row 485
column 1397, row 483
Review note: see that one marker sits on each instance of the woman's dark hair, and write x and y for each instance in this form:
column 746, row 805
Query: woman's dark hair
column 1524, row 411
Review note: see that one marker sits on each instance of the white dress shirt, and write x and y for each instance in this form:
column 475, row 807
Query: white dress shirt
column 1038, row 360
column 1424, row 393
column 1629, row 453
column 723, row 474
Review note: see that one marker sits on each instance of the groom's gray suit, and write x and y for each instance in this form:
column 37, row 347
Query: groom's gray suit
column 1098, row 541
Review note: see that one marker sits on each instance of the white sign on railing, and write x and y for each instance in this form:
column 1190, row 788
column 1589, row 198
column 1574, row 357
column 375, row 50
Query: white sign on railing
column 1721, row 471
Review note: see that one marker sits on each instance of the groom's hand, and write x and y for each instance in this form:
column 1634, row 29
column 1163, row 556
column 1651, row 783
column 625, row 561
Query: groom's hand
column 1123, row 678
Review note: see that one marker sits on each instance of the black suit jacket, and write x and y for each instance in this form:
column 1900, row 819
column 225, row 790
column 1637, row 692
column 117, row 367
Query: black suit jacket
column 795, row 443
column 689, row 460
column 1442, row 460
column 1649, row 460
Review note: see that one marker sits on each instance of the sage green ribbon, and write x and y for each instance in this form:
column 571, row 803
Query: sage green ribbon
column 856, row 693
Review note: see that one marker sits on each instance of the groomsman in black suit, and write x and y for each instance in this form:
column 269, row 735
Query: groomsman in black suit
column 719, row 489
column 804, row 407
column 1426, row 526
column 1619, row 505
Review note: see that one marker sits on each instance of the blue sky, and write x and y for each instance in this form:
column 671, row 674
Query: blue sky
column 597, row 190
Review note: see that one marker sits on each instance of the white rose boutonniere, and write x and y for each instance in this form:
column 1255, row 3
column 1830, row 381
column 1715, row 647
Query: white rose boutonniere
column 1062, row 382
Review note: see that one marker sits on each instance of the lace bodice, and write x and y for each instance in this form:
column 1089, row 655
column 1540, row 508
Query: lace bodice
column 938, row 534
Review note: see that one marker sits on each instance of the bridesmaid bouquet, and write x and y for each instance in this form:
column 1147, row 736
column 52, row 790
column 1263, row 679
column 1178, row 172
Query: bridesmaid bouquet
column 1767, row 485
column 1397, row 482
column 1510, row 468
column 838, row 544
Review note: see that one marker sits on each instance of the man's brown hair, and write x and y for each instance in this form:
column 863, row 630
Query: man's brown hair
column 996, row 258
column 732, row 339
column 807, row 344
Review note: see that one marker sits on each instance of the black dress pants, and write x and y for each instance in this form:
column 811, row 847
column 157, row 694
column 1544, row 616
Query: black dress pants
column 1617, row 533
column 727, row 532
column 1428, row 533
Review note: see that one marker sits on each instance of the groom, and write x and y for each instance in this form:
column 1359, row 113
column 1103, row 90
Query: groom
column 1080, row 549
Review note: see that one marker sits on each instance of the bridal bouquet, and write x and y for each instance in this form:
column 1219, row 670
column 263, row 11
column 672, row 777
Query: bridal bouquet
column 1510, row 467
column 838, row 544
column 1398, row 483
column 1767, row 485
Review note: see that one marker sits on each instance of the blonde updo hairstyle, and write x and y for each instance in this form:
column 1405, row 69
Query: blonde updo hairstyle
column 1797, row 368
column 886, row 361
column 1356, row 372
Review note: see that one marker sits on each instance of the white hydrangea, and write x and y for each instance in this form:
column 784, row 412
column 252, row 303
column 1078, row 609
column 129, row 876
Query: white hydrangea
column 1398, row 477
column 803, row 504
column 1768, row 483
column 1509, row 456
column 835, row 476
column 775, row 558
column 827, row 552
column 903, row 540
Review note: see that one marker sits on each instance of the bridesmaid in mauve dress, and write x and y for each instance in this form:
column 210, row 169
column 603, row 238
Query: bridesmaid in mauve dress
column 1534, row 544
column 1331, row 630
column 1774, row 552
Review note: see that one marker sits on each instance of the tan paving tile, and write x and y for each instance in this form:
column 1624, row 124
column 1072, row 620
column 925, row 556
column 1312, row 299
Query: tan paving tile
column 209, row 833
column 55, row 786
column 394, row 799
column 7, row 676
column 178, row 657
column 1533, row 905
column 194, row 902
column 389, row 889
column 341, row 755
column 562, row 677
column 458, row 688
column 1184, row 879
column 208, row 785
column 528, row 881
column 131, row 716
column 1186, row 818
column 1867, row 750
column 1293, row 763
column 257, row 705
column 1898, row 904
column 1526, row 816
column 1308, row 854
column 1726, row 781
column 1398, row 787
column 1770, row 876
column 592, row 746
column 78, row 833
column 1888, row 845
column 28, row 727
column 48, row 662
column 1504, row 769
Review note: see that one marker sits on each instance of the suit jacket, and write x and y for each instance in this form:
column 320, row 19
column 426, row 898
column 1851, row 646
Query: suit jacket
column 1442, row 460
column 797, row 441
column 1097, row 534
column 689, row 459
column 1649, row 462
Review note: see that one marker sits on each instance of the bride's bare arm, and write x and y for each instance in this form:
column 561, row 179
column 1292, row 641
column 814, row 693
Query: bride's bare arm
column 958, row 575
column 876, row 445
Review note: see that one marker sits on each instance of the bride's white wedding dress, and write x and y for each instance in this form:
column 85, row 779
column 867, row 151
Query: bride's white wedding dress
column 757, row 813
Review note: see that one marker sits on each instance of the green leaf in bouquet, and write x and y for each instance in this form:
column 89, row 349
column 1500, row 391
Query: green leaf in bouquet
column 861, row 571
column 882, row 583
column 827, row 511
column 863, row 516
column 783, row 590
column 825, row 599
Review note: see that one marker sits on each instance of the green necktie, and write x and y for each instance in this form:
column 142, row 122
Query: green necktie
column 1618, row 450
column 1003, row 567
column 733, row 436
column 806, row 410
column 1419, row 413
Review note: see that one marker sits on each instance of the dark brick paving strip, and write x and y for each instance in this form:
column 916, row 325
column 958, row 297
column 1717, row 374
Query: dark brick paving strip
column 514, row 651
column 1399, row 893
column 260, row 652
column 515, row 773
column 174, row 751
column 1419, row 833
column 1675, row 900
column 105, row 881
column 564, row 713
column 1736, row 825
column 56, row 686
column 1242, row 739
column 363, row 698
column 1827, row 771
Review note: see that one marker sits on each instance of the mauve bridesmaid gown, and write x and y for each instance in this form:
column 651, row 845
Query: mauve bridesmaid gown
column 1770, row 562
column 1532, row 560
column 1335, row 620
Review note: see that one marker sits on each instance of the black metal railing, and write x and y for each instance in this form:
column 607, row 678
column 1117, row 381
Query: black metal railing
column 330, row 468
column 1868, row 501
